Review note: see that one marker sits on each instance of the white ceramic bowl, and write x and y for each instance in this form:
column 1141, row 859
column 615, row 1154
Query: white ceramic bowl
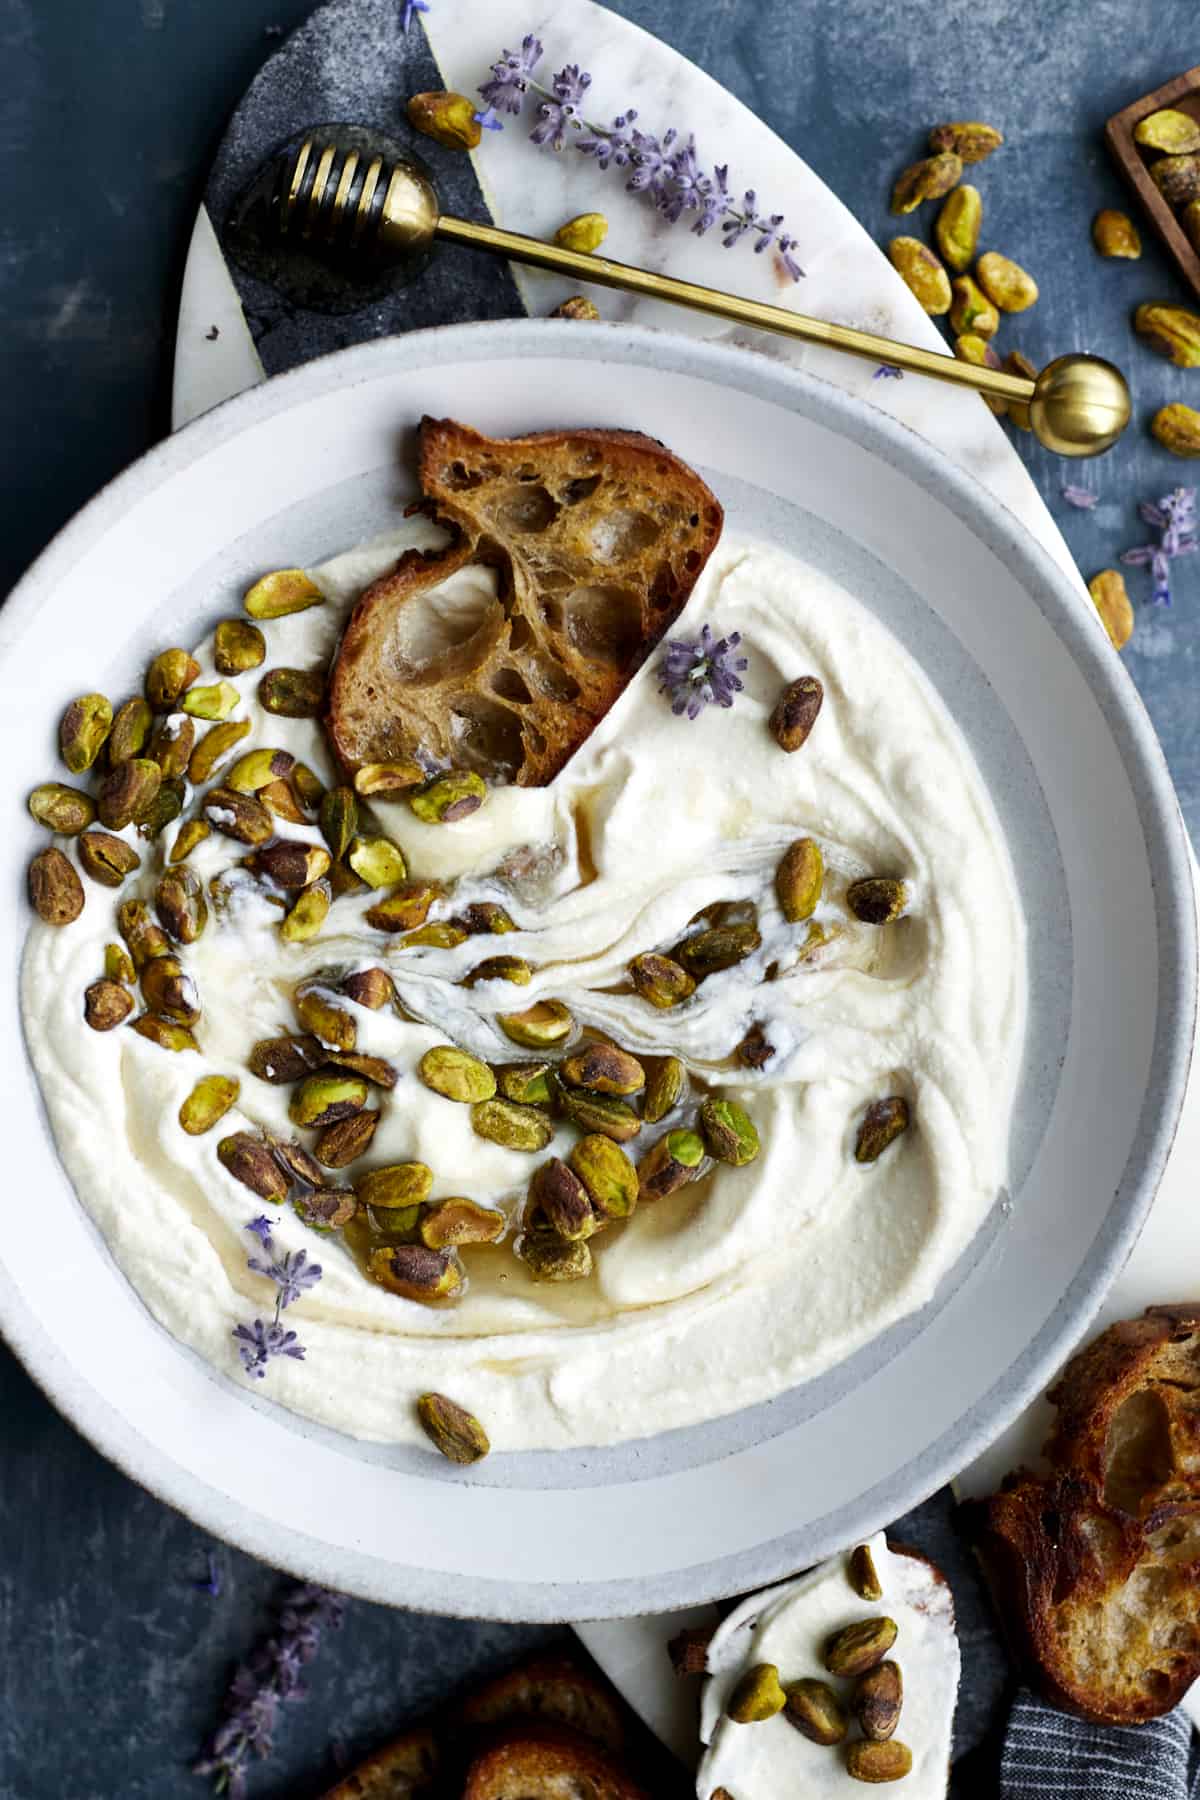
column 314, row 461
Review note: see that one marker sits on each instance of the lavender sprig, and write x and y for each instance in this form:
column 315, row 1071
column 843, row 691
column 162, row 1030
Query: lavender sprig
column 260, row 1342
column 1080, row 497
column 666, row 169
column 888, row 372
column 211, row 1583
column 698, row 672
column 270, row 1675
column 1174, row 518
column 409, row 10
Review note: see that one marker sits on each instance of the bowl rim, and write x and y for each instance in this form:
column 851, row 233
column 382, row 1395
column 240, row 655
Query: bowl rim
column 1060, row 602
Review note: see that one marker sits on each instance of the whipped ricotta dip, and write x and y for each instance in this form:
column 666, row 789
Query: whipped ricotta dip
column 788, row 1626
column 731, row 1290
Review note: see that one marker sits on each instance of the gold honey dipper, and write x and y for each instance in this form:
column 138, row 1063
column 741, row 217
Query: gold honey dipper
column 338, row 194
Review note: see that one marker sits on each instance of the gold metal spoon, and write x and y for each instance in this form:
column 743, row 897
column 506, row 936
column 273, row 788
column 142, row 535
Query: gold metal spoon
column 386, row 211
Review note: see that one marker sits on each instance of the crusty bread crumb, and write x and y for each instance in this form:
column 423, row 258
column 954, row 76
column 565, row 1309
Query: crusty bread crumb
column 596, row 538
column 536, row 1763
column 553, row 1690
column 1096, row 1567
column 405, row 1769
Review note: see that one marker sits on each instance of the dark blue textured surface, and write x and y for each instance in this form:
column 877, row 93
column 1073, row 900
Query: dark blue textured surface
column 111, row 1664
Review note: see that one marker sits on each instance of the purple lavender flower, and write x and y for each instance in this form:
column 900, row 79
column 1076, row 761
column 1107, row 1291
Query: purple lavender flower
column 696, row 672
column 293, row 1275
column 260, row 1343
column 1174, row 518
column 269, row 1676
column 1080, row 497
column 888, row 372
column 292, row 1272
column 665, row 169
column 511, row 73
column 409, row 10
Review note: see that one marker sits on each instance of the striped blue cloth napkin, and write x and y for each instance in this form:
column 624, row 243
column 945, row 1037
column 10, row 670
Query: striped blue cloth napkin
column 1049, row 1756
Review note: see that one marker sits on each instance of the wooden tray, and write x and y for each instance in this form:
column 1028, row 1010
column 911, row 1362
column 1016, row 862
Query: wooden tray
column 1183, row 94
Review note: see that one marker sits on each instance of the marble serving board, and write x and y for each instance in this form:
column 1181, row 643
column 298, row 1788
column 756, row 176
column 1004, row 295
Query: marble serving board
column 348, row 62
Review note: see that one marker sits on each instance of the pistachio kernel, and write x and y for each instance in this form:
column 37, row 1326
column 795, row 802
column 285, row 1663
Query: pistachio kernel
column 165, row 807
column 169, row 991
column 665, row 1088
column 798, row 880
column 449, row 798
column 882, row 1123
column 551, row 1258
column 180, row 904
column 130, row 731
column 527, row 1083
column 372, row 988
column 969, row 139
column 1115, row 234
column 515, row 1127
column 877, row 900
column 456, row 1074
column 608, row 1175
column 449, row 1427
column 84, row 727
column 328, row 1209
column 929, row 179
column 577, row 307
column 487, row 916
column 972, row 348
column 1173, row 331
column 866, row 1761
column 859, row 1647
column 1173, row 132
column 166, row 1033
column 377, row 861
column 55, row 890
column 557, row 1195
column 258, row 769
column 729, row 1132
column 1111, row 599
column 720, row 947
column 1006, row 284
column 603, row 1113
column 167, row 679
column 661, row 980
column 1177, row 428
column 440, row 934
column 322, row 1100
column 372, row 1068
column 585, row 233
column 107, row 859
column 922, row 273
column 309, row 913
column 308, row 788
column 283, row 1060
column 1177, row 179
column 816, row 1712
column 292, row 693
column 343, row 880
column 118, row 964
column 62, row 809
column 295, row 1161
column 238, row 647
column 143, row 936
column 395, row 1185
column 106, row 1004
column 338, row 817
column 208, row 1102
column 863, row 1575
column 238, row 816
column 501, row 968
column 291, row 864
column 458, row 1221
column 451, row 120
column 318, row 1014
column 957, row 228
column 757, row 1695
column 673, row 1162
column 417, row 1273
column 405, row 908
column 346, row 1140
column 214, row 747
column 878, row 1700
column 389, row 780
column 215, row 700
column 546, row 1023
column 281, row 592
column 250, row 1161
column 971, row 310
column 128, row 792
column 795, row 712
column 604, row 1069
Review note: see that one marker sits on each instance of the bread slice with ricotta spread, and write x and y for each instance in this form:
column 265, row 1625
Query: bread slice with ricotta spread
column 592, row 542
